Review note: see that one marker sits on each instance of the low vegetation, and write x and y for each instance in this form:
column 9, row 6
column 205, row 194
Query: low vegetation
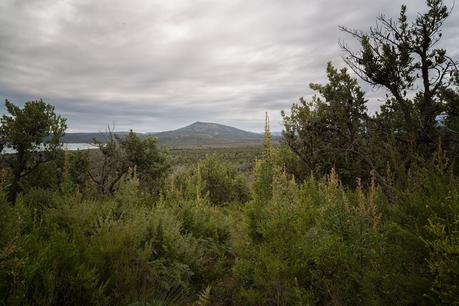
column 351, row 208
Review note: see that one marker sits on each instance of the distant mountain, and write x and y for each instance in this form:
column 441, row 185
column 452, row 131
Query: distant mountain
column 206, row 134
column 196, row 134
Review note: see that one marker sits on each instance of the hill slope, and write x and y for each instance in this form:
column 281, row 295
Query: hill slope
column 207, row 133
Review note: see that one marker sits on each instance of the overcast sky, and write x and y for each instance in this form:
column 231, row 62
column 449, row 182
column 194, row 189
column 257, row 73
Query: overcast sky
column 158, row 65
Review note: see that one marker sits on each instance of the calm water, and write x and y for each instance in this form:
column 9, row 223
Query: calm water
column 79, row 146
column 65, row 146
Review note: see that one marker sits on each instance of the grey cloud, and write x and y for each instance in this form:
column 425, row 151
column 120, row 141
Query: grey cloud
column 157, row 65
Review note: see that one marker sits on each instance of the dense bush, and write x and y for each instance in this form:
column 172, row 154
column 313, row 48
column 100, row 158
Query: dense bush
column 115, row 251
column 320, row 243
column 211, row 178
column 355, row 210
column 119, row 154
column 314, row 242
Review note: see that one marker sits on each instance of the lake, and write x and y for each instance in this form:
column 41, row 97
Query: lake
column 78, row 146
column 65, row 146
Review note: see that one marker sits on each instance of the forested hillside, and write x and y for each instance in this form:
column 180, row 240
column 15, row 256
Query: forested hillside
column 351, row 208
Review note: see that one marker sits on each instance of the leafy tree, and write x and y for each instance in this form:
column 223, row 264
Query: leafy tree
column 151, row 163
column 402, row 56
column 330, row 131
column 121, row 153
column 34, row 132
column 334, row 129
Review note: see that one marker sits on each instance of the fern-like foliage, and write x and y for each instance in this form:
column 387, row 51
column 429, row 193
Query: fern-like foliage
column 203, row 297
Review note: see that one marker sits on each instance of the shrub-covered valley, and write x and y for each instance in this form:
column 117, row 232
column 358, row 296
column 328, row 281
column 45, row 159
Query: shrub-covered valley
column 348, row 208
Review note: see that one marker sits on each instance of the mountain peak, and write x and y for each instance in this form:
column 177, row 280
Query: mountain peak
column 203, row 123
column 201, row 132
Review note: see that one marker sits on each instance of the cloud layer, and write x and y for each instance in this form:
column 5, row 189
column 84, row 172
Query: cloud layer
column 158, row 65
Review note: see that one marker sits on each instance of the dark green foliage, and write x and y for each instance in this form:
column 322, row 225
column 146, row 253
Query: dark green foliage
column 110, row 252
column 319, row 243
column 403, row 57
column 34, row 131
column 47, row 176
column 119, row 154
column 356, row 210
column 333, row 130
column 314, row 242
column 449, row 125
column 9, row 244
column 303, row 240
column 443, row 263
column 151, row 163
column 330, row 131
column 414, row 230
column 78, row 167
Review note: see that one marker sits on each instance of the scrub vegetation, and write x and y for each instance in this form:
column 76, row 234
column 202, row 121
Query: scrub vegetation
column 351, row 208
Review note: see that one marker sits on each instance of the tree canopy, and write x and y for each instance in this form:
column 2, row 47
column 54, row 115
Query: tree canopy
column 418, row 116
column 34, row 132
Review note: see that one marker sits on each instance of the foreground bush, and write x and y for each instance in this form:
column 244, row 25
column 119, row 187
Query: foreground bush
column 319, row 243
column 211, row 178
column 310, row 243
column 109, row 252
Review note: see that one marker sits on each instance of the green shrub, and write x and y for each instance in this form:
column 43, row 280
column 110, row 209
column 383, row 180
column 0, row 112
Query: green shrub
column 213, row 179
column 316, row 244
column 114, row 251
column 77, row 167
